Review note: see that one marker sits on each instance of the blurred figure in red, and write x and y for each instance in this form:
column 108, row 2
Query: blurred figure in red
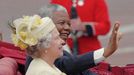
column 89, row 20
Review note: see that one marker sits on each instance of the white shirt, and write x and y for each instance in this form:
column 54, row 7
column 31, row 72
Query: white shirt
column 98, row 54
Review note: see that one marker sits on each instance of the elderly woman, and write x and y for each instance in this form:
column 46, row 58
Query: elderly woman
column 42, row 41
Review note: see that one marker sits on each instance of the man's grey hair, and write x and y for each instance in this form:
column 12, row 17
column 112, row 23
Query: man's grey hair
column 49, row 9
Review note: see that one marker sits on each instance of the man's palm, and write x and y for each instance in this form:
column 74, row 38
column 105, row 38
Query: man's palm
column 113, row 41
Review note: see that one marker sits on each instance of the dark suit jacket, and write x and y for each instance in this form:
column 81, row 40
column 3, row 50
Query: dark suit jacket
column 72, row 65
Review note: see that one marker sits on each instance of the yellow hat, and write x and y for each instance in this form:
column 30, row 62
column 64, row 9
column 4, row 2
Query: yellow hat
column 30, row 29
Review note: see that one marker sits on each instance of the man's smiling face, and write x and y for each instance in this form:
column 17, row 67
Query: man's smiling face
column 62, row 22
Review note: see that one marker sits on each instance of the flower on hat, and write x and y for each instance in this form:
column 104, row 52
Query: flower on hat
column 30, row 29
column 18, row 42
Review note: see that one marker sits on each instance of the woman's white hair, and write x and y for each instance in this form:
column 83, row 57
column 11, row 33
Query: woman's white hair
column 45, row 41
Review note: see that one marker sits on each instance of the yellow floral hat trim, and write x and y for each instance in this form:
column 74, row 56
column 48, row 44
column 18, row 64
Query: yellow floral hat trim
column 30, row 29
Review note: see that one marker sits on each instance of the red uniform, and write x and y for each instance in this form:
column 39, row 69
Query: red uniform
column 92, row 11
